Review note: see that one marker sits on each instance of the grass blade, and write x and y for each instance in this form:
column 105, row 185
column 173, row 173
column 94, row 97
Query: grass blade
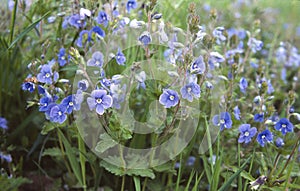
column 236, row 174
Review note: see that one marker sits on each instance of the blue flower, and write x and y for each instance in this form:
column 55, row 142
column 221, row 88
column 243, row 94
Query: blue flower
column 72, row 102
column 237, row 113
column 190, row 90
column 141, row 77
column 255, row 45
column 120, row 57
column 223, row 120
column 169, row 98
column 44, row 102
column 100, row 101
column 98, row 31
column 279, row 142
column 218, row 34
column 243, row 85
column 105, row 83
column 191, row 161
column 76, row 21
column 84, row 38
column 259, row 117
column 145, row 38
column 96, row 60
column 246, row 133
column 215, row 59
column 46, row 75
column 58, row 114
column 28, row 86
column 103, row 18
column 3, row 123
column 6, row 157
column 264, row 137
column 83, row 85
column 62, row 58
column 284, row 125
column 118, row 94
column 198, row 66
column 131, row 4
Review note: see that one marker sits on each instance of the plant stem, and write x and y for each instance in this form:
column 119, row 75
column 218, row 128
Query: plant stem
column 145, row 183
column 13, row 21
column 82, row 150
column 123, row 183
column 290, row 157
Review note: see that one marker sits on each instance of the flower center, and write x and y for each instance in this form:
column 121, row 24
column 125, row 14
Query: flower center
column 247, row 134
column 63, row 58
column 171, row 98
column 47, row 75
column 189, row 89
column 59, row 113
column 79, row 22
column 97, row 63
column 71, row 103
column 99, row 100
column 263, row 137
column 222, row 121
column 283, row 125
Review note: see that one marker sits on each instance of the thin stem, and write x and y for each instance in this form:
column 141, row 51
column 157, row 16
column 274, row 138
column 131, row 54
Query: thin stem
column 123, row 183
column 82, row 150
column 145, row 183
column 13, row 21
column 290, row 157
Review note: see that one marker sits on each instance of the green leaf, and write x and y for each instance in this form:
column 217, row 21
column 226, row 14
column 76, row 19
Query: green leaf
column 122, row 171
column 71, row 156
column 244, row 174
column 53, row 152
column 236, row 174
column 27, row 30
column 137, row 183
column 47, row 128
column 105, row 143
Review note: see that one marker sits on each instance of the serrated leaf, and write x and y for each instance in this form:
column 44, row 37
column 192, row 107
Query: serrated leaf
column 112, row 168
column 105, row 143
column 53, row 152
column 141, row 172
column 47, row 128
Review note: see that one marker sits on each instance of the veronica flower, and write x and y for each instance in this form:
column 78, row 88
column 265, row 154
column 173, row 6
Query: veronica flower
column 120, row 57
column 46, row 75
column 28, row 86
column 72, row 102
column 243, row 85
column 100, row 101
column 76, row 21
column 84, row 38
column 103, row 18
column 131, row 4
column 145, row 38
column 169, row 98
column 83, row 85
column 96, row 60
column 118, row 94
column 44, row 102
column 246, row 133
column 191, row 161
column 98, row 31
column 84, row 13
column 62, row 57
column 237, row 113
column 284, row 125
column 58, row 114
column 141, row 77
column 223, row 120
column 3, row 123
column 218, row 34
column 279, row 142
column 6, row 157
column 198, row 66
column 264, row 137
column 215, row 59
column 259, row 117
column 190, row 90
column 255, row 45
